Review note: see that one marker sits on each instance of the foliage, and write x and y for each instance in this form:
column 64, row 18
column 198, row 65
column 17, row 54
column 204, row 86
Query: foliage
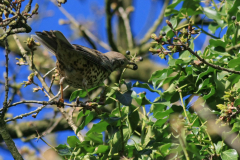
column 196, row 117
column 171, row 129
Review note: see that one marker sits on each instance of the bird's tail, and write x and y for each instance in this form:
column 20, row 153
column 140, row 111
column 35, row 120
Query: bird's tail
column 49, row 40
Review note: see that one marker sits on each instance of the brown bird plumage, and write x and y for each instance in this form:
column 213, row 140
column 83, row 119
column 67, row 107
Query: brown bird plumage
column 80, row 66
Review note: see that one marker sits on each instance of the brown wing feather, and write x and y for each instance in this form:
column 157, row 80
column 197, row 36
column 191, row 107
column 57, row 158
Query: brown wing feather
column 94, row 56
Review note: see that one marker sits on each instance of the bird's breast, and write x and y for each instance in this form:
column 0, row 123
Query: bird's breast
column 78, row 71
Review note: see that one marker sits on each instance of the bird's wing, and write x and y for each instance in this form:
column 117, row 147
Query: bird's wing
column 94, row 56
column 49, row 40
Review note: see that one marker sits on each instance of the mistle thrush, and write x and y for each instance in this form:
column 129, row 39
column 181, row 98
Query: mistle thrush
column 79, row 66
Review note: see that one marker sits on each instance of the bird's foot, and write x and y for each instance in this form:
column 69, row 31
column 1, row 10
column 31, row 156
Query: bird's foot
column 60, row 103
column 92, row 105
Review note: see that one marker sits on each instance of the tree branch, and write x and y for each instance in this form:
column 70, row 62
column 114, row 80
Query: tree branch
column 27, row 129
column 3, row 130
column 109, row 25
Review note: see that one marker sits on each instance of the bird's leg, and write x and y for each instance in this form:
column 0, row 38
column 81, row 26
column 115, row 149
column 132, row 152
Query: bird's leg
column 61, row 100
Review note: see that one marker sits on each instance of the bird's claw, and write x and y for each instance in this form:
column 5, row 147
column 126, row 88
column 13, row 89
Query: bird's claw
column 60, row 103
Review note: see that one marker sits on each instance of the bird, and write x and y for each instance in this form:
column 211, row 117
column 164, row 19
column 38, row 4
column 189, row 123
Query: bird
column 80, row 66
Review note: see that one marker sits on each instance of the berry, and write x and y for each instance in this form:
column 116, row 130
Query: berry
column 127, row 52
column 140, row 59
column 233, row 17
column 163, row 33
column 135, row 67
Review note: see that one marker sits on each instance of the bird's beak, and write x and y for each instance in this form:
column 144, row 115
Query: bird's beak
column 135, row 67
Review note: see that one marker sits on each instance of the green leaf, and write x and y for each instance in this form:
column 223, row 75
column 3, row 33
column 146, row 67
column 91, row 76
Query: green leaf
column 99, row 127
column 236, row 126
column 160, row 122
column 81, row 93
column 95, row 137
column 63, row 150
column 217, row 42
column 171, row 94
column 116, row 141
column 125, row 98
column 213, row 27
column 207, row 72
column 131, row 151
column 88, row 119
column 235, row 8
column 232, row 79
column 189, row 10
column 212, row 92
column 101, row 149
column 213, row 14
column 81, row 114
column 230, row 154
column 72, row 141
column 165, row 149
column 148, row 137
column 203, row 84
column 162, row 114
column 145, row 152
column 146, row 86
column 140, row 99
column 159, row 76
column 170, row 9
column 186, row 56
column 219, row 146
column 175, row 62
column 234, row 63
column 133, row 118
column 237, row 102
column 158, row 107
column 191, row 147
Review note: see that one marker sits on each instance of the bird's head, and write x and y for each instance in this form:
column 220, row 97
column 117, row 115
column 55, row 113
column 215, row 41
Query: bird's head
column 118, row 60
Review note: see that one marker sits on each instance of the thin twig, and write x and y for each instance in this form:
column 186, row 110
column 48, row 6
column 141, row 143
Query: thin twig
column 210, row 64
column 156, row 24
column 24, row 53
column 36, row 110
column 52, row 80
column 207, row 32
column 125, row 18
column 5, row 102
column 49, row 72
column 49, row 130
column 200, row 58
column 3, row 129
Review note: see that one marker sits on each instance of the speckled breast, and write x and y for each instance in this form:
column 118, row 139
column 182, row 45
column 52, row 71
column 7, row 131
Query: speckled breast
column 82, row 72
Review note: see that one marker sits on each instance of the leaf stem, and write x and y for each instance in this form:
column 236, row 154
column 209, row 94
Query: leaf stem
column 209, row 137
column 48, row 144
column 183, row 147
column 119, row 108
column 184, row 109
column 143, row 125
column 121, row 127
